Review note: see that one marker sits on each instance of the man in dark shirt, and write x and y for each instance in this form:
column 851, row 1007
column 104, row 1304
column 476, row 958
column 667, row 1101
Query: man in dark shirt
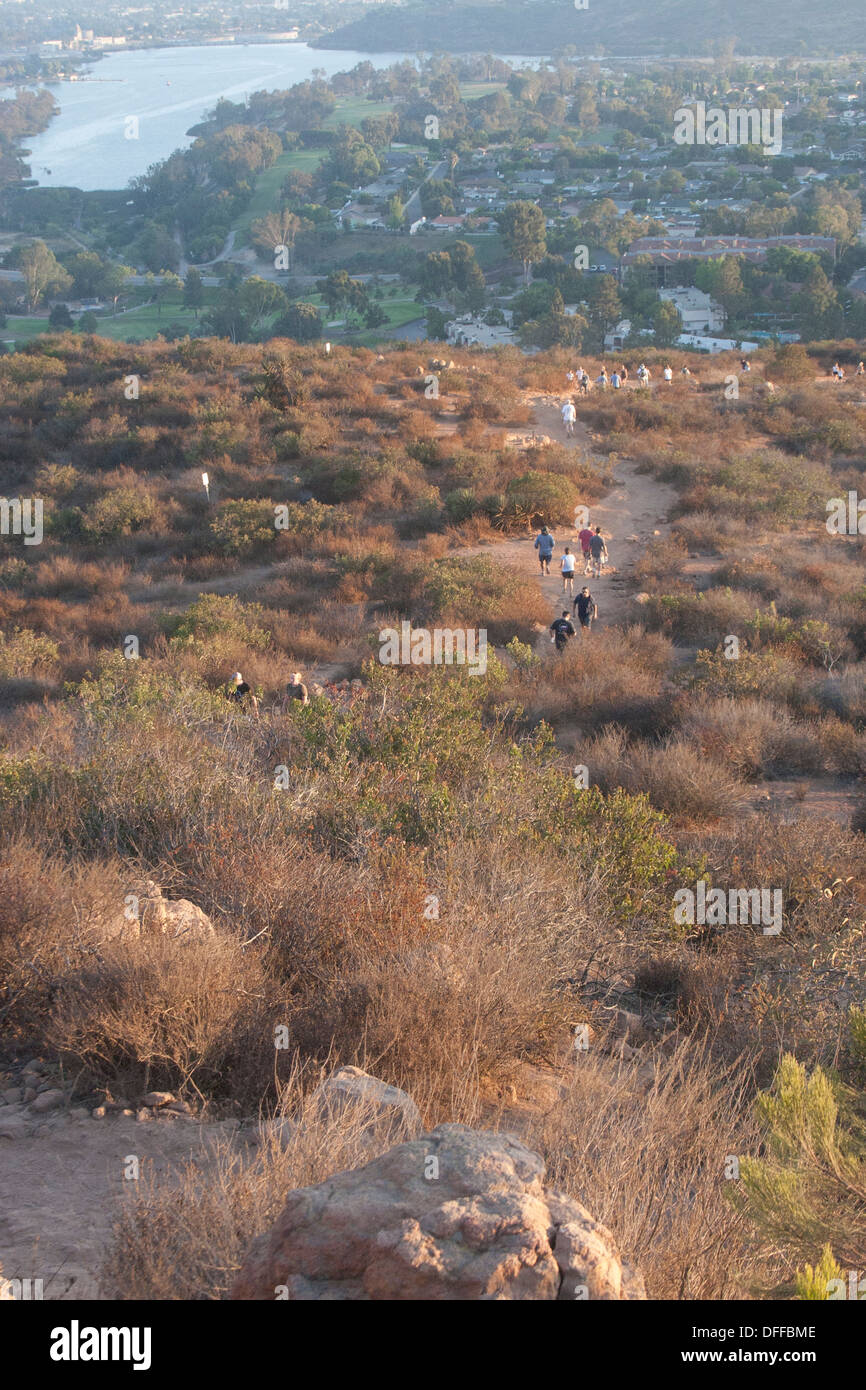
column 586, row 608
column 562, row 628
column 242, row 694
column 598, row 553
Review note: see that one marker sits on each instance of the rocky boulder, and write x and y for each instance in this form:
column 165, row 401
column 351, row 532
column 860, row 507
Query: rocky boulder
column 152, row 914
column 375, row 1106
column 458, row 1214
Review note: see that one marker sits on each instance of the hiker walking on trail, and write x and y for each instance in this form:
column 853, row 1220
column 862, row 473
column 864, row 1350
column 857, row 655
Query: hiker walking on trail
column 585, row 538
column 544, row 544
column 562, row 628
column 598, row 551
column 668, row 375
column 615, row 380
column 567, row 567
column 295, row 690
column 585, row 608
column 601, row 379
column 569, row 415
column 583, row 380
column 242, row 694
column 623, row 374
column 861, row 370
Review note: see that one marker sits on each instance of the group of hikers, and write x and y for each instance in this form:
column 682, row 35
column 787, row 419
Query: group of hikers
column 585, row 609
column 593, row 554
column 616, row 379
column 242, row 694
column 594, row 557
column 838, row 373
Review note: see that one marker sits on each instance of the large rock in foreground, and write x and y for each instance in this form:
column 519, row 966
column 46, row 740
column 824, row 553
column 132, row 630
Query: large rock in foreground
column 456, row 1214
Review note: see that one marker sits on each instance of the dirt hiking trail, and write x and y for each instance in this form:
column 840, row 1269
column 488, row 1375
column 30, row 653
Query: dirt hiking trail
column 631, row 516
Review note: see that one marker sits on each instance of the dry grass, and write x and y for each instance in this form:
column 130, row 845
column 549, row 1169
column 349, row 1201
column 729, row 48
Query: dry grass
column 676, row 777
column 412, row 791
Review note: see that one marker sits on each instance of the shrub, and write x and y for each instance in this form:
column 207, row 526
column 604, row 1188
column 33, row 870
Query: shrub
column 160, row 1014
column 461, row 504
column 25, row 655
column 539, row 496
column 243, row 527
column 118, row 513
column 218, row 615
column 675, row 777
column 809, row 1190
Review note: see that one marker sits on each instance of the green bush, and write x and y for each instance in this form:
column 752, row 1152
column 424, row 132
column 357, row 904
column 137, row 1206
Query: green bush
column 243, row 526
column 461, row 504
column 218, row 615
column 807, row 1191
column 25, row 654
column 540, row 496
column 119, row 512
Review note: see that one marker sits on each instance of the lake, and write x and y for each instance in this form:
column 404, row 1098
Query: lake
column 167, row 90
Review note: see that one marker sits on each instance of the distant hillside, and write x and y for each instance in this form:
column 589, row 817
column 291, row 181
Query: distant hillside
column 670, row 27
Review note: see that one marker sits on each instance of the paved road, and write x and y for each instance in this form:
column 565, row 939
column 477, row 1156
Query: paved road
column 412, row 207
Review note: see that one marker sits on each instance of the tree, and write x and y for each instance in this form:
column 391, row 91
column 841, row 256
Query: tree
column 605, row 306
column 352, row 160
column 169, row 285
column 435, row 324
column 436, row 197
column 374, row 317
column 667, row 323
column 258, row 298
column 523, row 226
column 60, row 317
column 672, row 181
column 818, row 305
column 395, row 211
column 227, row 318
column 722, row 279
column 435, row 273
column 556, row 328
column 155, row 249
column 193, row 290
column 276, row 230
column 241, row 308
column 303, row 322
column 297, row 186
column 94, row 278
column 341, row 291
column 43, row 273
column 467, row 275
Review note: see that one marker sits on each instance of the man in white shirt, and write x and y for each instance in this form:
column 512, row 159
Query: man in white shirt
column 668, row 374
column 569, row 415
